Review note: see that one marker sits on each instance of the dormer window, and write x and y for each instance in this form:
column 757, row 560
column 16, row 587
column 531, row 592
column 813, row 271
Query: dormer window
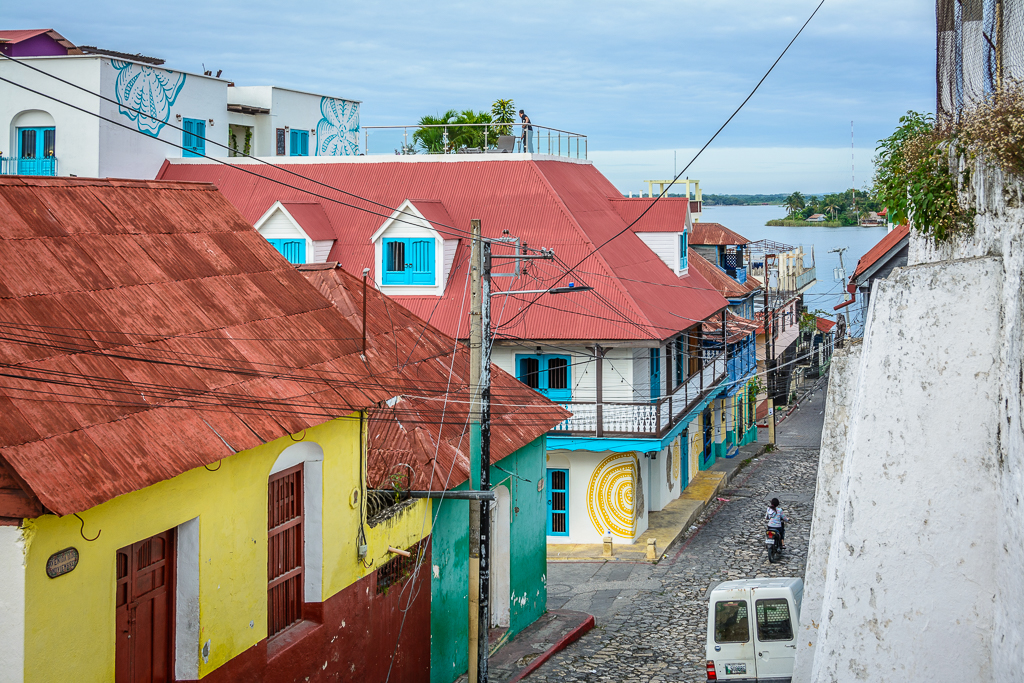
column 409, row 261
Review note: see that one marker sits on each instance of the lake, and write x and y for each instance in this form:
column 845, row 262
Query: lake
column 749, row 221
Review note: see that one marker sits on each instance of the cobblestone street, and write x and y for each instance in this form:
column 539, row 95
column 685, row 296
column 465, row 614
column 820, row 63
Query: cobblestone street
column 651, row 620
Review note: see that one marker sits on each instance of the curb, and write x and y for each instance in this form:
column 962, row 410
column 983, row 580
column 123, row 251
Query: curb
column 569, row 638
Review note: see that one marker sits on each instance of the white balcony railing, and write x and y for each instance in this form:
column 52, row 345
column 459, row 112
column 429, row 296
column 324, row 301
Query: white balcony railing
column 648, row 419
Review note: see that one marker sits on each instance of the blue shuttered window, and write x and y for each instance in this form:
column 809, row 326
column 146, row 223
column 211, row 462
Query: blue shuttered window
column 409, row 261
column 193, row 139
column 655, row 363
column 299, row 143
column 36, row 151
column 293, row 250
column 682, row 250
column 558, row 502
column 550, row 375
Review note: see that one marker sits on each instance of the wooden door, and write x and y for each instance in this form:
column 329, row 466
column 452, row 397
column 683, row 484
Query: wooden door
column 284, row 550
column 145, row 611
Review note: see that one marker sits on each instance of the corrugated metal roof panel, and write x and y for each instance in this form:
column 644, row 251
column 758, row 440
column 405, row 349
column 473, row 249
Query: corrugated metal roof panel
column 312, row 219
column 728, row 287
column 715, row 233
column 892, row 238
column 161, row 331
column 569, row 207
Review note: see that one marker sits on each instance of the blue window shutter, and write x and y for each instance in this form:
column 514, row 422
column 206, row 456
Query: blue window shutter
column 655, row 363
column 299, row 146
column 293, row 250
column 558, row 502
column 200, row 141
column 305, row 143
column 557, row 377
column 682, row 251
column 193, row 132
column 420, row 254
column 394, row 266
column 293, row 143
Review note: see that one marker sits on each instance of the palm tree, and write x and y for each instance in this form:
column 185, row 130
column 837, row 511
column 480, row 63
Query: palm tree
column 453, row 136
column 794, row 202
column 503, row 111
column 832, row 204
column 434, row 140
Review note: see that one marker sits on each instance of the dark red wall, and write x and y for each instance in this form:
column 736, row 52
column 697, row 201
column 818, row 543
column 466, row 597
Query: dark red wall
column 360, row 650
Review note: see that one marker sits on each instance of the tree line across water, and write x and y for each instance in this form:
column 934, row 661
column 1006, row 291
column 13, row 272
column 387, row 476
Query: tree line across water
column 845, row 208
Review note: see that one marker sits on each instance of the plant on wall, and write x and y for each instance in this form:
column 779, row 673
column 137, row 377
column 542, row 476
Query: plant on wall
column 248, row 142
column 234, row 144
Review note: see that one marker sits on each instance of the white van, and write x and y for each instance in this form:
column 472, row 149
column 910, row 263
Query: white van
column 751, row 630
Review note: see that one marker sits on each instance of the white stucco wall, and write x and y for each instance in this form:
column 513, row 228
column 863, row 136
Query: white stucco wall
column 12, row 604
column 843, row 374
column 291, row 109
column 665, row 245
column 910, row 587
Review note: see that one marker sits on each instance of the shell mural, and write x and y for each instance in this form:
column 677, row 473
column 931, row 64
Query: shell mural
column 677, row 458
column 611, row 495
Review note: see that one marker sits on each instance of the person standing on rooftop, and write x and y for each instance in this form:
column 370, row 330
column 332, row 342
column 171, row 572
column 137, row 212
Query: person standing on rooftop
column 527, row 132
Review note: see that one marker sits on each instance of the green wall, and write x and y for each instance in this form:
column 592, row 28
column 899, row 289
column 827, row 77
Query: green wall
column 449, row 584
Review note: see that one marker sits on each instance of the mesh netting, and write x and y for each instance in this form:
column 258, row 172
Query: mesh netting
column 980, row 49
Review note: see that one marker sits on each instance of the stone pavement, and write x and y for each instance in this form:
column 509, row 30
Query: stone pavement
column 652, row 619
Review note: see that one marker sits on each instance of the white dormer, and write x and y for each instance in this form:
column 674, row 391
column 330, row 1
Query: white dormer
column 671, row 247
column 411, row 257
column 301, row 231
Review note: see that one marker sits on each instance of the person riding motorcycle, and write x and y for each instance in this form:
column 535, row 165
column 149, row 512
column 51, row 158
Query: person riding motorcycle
column 776, row 520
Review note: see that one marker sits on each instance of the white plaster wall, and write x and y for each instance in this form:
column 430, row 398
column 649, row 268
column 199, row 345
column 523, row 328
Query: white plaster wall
column 842, row 382
column 128, row 153
column 186, row 602
column 77, row 133
column 910, row 591
column 665, row 245
column 660, row 492
column 12, row 604
column 618, row 367
column 321, row 250
column 581, row 466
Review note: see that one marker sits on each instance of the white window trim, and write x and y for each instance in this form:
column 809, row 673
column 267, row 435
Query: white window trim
column 311, row 455
column 407, row 222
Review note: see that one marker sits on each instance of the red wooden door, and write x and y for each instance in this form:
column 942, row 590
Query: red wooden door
column 145, row 610
column 284, row 550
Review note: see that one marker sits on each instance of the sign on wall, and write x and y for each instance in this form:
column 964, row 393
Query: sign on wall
column 62, row 562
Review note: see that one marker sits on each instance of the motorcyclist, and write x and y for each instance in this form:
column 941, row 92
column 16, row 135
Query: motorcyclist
column 776, row 520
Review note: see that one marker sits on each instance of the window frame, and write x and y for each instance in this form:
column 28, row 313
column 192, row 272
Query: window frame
column 654, row 370
column 407, row 277
column 282, row 245
column 279, row 142
column 543, row 376
column 747, row 618
column 757, row 619
column 302, row 138
column 551, row 491
column 193, row 128
column 684, row 243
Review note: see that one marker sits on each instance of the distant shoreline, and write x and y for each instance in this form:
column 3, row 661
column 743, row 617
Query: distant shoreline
column 785, row 222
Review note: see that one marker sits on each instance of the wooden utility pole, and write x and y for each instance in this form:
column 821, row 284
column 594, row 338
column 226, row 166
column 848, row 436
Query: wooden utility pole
column 480, row 453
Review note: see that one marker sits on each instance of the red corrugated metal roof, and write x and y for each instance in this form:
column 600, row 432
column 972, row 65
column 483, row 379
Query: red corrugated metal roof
column 667, row 214
column 729, row 288
column 736, row 328
column 565, row 206
column 715, row 233
column 311, row 218
column 434, row 212
column 894, row 237
column 824, row 324
column 423, row 429
column 155, row 331
column 16, row 36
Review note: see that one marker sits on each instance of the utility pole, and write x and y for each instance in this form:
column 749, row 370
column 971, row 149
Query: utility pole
column 769, row 348
column 480, row 442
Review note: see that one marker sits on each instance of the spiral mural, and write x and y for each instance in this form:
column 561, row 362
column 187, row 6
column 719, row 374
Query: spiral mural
column 677, row 457
column 610, row 494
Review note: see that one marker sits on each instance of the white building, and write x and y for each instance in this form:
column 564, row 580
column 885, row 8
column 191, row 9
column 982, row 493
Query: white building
column 97, row 113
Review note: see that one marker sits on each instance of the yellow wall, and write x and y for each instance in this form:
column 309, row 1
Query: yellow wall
column 69, row 630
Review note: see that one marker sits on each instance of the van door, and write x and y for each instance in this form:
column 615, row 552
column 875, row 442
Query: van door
column 731, row 644
column 774, row 615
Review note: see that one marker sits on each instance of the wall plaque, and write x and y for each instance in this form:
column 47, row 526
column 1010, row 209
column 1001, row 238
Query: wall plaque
column 62, row 562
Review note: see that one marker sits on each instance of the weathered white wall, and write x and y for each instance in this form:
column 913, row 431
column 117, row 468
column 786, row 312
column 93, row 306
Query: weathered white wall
column 12, row 604
column 911, row 584
column 843, row 374
column 665, row 245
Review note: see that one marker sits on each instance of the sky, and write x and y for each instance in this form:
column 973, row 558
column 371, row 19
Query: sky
column 646, row 82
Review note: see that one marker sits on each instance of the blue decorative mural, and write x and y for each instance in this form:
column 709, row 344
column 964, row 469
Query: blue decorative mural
column 337, row 133
column 144, row 89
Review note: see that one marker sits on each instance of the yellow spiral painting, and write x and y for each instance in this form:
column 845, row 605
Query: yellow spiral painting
column 677, row 458
column 610, row 495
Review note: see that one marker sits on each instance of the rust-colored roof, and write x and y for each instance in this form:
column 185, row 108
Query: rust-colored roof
column 824, row 324
column 422, row 429
column 311, row 218
column 13, row 37
column 667, row 214
column 884, row 245
column 565, row 206
column 715, row 233
column 149, row 329
column 435, row 213
column 736, row 328
column 717, row 278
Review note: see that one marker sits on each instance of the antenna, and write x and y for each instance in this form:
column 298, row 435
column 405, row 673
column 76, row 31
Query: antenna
column 853, row 175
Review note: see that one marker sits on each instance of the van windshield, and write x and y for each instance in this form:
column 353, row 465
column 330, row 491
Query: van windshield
column 773, row 620
column 732, row 624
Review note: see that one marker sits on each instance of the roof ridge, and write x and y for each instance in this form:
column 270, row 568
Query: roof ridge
column 612, row 275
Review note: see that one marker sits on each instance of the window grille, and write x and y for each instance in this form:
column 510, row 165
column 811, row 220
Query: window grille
column 397, row 569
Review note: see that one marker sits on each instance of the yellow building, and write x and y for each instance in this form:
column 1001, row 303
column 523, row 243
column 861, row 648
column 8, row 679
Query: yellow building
column 182, row 453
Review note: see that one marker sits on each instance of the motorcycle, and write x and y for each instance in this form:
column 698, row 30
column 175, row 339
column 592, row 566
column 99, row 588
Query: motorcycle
column 773, row 543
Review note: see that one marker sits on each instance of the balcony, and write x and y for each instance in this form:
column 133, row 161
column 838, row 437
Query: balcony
column 16, row 166
column 474, row 138
column 644, row 419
